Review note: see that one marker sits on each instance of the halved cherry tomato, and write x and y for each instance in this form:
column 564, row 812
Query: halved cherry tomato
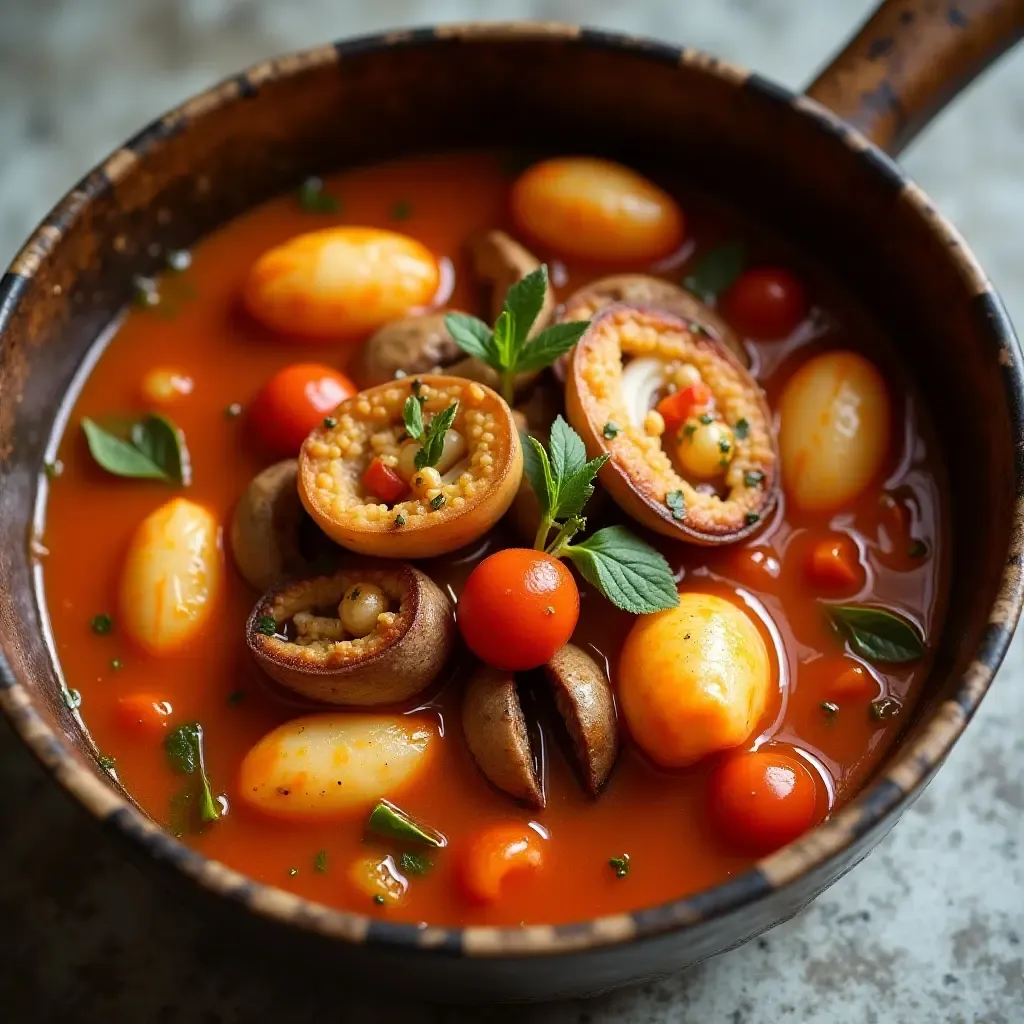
column 494, row 854
column 145, row 714
column 834, row 564
column 518, row 607
column 295, row 401
column 383, row 482
column 762, row 800
column 676, row 408
column 766, row 302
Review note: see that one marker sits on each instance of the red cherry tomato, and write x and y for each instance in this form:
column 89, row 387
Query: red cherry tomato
column 295, row 401
column 493, row 855
column 762, row 800
column 383, row 482
column 518, row 607
column 766, row 302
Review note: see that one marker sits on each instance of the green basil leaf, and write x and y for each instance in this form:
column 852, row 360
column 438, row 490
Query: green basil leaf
column 163, row 444
column 877, row 634
column 627, row 570
column 473, row 336
column 551, row 343
column 524, row 302
column 537, row 467
column 391, row 822
column 118, row 456
column 412, row 414
column 716, row 269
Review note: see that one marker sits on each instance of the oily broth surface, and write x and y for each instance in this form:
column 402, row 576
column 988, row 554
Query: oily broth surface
column 657, row 817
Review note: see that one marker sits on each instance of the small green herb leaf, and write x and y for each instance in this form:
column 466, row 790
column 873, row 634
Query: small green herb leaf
column 391, row 822
column 741, row 428
column 53, row 469
column 72, row 699
column 184, row 748
column 628, row 571
column 412, row 415
column 155, row 450
column 549, row 345
column 715, row 270
column 620, row 865
column 314, row 198
column 433, row 437
column 379, row 900
column 267, row 625
column 877, row 634
column 753, row 478
column 524, row 301
column 610, row 431
column 106, row 762
column 102, row 624
column 320, row 862
column 473, row 336
column 676, row 504
column 537, row 467
column 415, row 864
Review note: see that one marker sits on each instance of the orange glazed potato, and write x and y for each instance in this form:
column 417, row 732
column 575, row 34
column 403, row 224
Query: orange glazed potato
column 596, row 209
column 341, row 283
column 358, row 481
column 693, row 680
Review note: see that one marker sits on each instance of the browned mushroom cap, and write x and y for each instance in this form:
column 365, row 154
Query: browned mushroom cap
column 414, row 344
column 299, row 634
column 584, row 699
column 268, row 528
column 652, row 293
column 495, row 731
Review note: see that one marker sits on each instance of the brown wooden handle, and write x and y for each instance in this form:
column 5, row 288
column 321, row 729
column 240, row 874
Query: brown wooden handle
column 910, row 58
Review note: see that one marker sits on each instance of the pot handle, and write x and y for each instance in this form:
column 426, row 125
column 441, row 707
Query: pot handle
column 909, row 59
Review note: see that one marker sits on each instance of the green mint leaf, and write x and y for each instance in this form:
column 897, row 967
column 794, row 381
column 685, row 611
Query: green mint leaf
column 118, row 456
column 412, row 414
column 676, row 504
column 715, row 270
column 552, row 342
column 537, row 466
column 473, row 336
column 163, row 443
column 504, row 339
column 391, row 822
column 620, row 865
column 876, row 634
column 575, row 492
column 627, row 570
column 433, row 438
column 184, row 749
column 524, row 301
column 320, row 862
column 568, row 453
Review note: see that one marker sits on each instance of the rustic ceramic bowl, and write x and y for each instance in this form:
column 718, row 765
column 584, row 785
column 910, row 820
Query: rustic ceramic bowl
column 786, row 158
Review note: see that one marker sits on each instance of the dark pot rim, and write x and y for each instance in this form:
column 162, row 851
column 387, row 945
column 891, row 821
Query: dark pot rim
column 891, row 791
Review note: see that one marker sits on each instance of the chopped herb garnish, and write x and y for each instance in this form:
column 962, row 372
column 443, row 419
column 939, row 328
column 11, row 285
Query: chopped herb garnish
column 379, row 900
column 625, row 569
column 689, row 430
column 753, row 478
column 885, row 707
column 236, row 697
column 354, row 596
column 724, row 445
column 877, row 634
column 402, row 210
column 741, row 429
column 437, row 501
column 620, row 865
column 399, row 520
column 292, row 872
column 706, row 418
column 72, row 699
column 53, row 469
column 715, row 270
column 116, row 664
column 106, row 762
column 314, row 198
column 390, row 821
column 676, row 504
column 507, row 347
column 102, row 624
column 416, row 385
column 184, row 748
column 330, row 422
column 233, row 410
column 267, row 625
column 610, row 430
column 431, row 435
column 179, row 260
column 752, row 517
column 917, row 549
column 830, row 708
column 320, row 862
column 415, row 863
column 154, row 449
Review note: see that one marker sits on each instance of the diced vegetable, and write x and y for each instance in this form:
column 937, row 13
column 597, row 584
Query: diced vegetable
column 145, row 714
column 390, row 821
column 676, row 408
column 383, row 482
column 496, row 853
column 834, row 564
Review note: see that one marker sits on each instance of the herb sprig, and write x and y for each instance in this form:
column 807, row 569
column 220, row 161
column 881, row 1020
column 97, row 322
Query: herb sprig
column 184, row 749
column 152, row 448
column 431, row 436
column 507, row 347
column 625, row 569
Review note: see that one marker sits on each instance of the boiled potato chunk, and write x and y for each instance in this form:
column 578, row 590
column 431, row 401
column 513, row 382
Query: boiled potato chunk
column 341, row 283
column 596, row 209
column 836, row 423
column 693, row 680
column 332, row 765
column 172, row 577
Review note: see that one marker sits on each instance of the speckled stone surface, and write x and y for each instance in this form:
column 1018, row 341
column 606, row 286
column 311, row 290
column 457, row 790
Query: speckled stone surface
column 929, row 928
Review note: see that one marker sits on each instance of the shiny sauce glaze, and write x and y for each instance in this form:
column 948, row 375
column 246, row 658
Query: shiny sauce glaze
column 660, row 818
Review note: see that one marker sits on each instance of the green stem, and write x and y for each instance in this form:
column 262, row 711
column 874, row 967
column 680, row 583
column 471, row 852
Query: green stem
column 559, row 547
column 541, row 540
column 508, row 386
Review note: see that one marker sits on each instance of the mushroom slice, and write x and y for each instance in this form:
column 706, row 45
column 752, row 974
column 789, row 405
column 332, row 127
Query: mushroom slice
column 297, row 634
column 268, row 528
column 439, row 514
column 584, row 699
column 709, row 478
column 495, row 731
column 414, row 344
column 651, row 293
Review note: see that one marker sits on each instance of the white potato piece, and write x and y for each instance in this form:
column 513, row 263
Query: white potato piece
column 332, row 765
column 172, row 577
column 836, row 424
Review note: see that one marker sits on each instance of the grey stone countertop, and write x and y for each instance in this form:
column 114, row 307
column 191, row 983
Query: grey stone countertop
column 929, row 928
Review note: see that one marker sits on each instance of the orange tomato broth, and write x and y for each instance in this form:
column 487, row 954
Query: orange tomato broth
column 658, row 817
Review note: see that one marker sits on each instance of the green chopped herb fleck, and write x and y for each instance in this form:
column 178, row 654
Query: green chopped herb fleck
column 233, row 411
column 416, row 385
column 330, row 422
column 917, row 549
column 72, row 699
column 724, row 445
column 399, row 520
column 379, row 900
column 885, row 707
column 676, row 504
column 116, row 664
column 102, row 624
column 689, row 430
column 753, row 517
column 390, row 821
column 437, row 501
column 53, row 469
column 236, row 697
column 706, row 418
column 610, row 430
column 267, row 625
column 620, row 865
column 415, row 863
column 753, row 478
column 741, row 429
column 106, row 762
column 320, row 862
column 402, row 210
column 355, row 594
column 314, row 198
